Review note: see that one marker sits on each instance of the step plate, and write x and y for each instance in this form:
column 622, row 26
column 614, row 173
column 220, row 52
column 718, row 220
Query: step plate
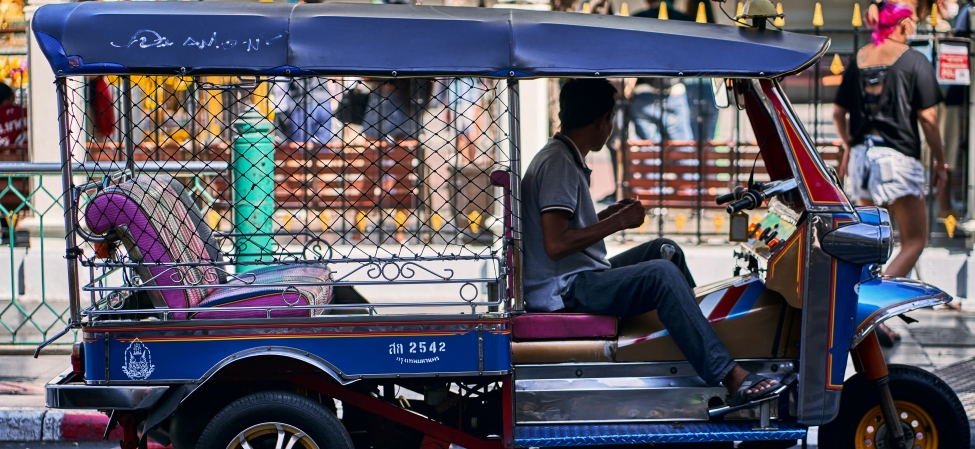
column 590, row 435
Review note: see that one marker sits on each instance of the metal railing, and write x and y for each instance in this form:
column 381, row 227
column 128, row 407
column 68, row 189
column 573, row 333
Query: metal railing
column 34, row 304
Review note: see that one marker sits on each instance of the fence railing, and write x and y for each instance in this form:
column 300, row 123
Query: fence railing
column 33, row 300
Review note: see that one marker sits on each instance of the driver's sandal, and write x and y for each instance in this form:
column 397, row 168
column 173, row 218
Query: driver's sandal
column 777, row 390
column 752, row 379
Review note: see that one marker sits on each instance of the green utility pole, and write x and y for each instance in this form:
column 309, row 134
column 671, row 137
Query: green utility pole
column 253, row 188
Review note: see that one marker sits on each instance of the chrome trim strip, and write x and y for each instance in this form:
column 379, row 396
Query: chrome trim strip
column 916, row 303
column 92, row 328
column 638, row 369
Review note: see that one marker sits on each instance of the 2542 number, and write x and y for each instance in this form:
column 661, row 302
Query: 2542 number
column 421, row 347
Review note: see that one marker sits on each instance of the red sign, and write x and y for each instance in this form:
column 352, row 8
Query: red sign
column 952, row 67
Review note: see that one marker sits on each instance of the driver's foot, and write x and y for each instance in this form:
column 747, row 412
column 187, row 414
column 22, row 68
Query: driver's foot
column 738, row 374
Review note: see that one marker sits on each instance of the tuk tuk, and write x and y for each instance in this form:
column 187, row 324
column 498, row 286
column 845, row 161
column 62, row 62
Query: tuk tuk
column 299, row 226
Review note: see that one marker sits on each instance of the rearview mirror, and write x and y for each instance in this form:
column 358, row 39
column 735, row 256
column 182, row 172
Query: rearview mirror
column 720, row 90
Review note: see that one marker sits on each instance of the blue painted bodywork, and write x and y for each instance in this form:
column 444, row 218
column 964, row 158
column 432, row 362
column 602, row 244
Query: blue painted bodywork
column 270, row 39
column 844, row 308
column 611, row 434
column 883, row 297
column 190, row 359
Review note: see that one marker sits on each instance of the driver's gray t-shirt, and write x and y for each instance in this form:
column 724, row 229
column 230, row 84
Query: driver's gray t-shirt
column 557, row 179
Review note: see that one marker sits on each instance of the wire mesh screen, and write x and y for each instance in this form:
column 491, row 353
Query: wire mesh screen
column 211, row 197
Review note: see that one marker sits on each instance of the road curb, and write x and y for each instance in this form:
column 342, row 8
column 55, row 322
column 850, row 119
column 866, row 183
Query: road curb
column 42, row 424
column 55, row 349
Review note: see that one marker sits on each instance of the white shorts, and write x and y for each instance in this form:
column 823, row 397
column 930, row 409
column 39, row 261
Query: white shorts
column 883, row 175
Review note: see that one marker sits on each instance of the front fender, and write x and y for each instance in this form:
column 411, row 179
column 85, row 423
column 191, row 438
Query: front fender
column 884, row 297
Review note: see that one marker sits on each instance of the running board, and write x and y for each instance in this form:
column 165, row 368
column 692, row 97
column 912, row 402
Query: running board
column 687, row 432
column 590, row 393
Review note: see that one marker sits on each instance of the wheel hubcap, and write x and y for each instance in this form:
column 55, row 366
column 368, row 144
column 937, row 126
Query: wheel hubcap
column 272, row 435
column 919, row 429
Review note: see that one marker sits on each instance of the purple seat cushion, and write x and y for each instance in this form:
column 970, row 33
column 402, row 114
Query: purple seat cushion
column 558, row 326
column 158, row 223
column 258, row 296
column 156, row 228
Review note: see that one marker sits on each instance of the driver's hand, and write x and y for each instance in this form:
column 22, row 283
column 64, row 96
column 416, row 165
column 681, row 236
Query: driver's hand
column 612, row 209
column 631, row 215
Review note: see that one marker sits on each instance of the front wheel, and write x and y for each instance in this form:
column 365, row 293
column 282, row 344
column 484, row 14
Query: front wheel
column 929, row 411
column 275, row 419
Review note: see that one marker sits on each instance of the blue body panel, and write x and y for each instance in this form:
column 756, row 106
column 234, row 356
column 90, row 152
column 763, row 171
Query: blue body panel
column 189, row 358
column 880, row 298
column 844, row 308
column 611, row 434
column 328, row 39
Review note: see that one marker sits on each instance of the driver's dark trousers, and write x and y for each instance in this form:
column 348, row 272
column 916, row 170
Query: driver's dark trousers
column 640, row 282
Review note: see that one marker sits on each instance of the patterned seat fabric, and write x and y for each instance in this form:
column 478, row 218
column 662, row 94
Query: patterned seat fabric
column 267, row 296
column 158, row 222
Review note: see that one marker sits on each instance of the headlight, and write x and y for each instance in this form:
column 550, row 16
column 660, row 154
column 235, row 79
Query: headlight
column 867, row 242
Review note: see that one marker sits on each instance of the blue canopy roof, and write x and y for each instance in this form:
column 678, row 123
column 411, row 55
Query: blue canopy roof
column 399, row 40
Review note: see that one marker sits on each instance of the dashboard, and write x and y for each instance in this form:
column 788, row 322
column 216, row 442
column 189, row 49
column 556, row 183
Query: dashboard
column 775, row 246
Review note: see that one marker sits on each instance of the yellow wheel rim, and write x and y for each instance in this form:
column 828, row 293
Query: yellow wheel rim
column 925, row 432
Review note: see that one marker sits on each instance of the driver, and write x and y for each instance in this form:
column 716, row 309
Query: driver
column 566, row 269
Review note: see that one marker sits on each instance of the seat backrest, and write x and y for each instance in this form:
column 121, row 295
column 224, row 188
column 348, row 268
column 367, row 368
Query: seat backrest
column 156, row 227
column 196, row 218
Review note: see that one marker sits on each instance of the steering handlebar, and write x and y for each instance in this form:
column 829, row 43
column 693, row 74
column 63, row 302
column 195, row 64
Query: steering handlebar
column 753, row 196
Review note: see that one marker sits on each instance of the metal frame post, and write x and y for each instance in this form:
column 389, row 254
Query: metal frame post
column 817, row 79
column 70, row 228
column 970, row 181
column 700, row 155
column 514, row 142
column 125, row 124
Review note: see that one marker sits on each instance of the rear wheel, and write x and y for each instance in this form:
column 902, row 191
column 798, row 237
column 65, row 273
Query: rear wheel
column 928, row 409
column 275, row 419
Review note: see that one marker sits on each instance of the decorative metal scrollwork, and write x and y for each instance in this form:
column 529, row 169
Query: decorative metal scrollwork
column 194, row 276
column 293, row 289
column 395, row 270
column 314, row 245
column 472, row 287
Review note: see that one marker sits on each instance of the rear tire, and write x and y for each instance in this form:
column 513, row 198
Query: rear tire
column 261, row 417
column 932, row 409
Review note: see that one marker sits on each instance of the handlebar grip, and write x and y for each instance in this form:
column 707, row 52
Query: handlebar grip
column 726, row 198
column 730, row 196
column 742, row 204
column 750, row 200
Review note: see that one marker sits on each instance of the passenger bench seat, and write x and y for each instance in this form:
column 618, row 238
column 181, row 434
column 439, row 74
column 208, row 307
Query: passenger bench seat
column 562, row 326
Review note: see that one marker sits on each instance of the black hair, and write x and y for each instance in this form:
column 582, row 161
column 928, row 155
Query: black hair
column 6, row 93
column 585, row 100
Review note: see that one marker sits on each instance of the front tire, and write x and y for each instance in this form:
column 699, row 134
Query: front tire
column 926, row 404
column 269, row 418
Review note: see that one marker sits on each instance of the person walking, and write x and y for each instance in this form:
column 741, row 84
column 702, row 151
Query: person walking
column 886, row 91
column 658, row 106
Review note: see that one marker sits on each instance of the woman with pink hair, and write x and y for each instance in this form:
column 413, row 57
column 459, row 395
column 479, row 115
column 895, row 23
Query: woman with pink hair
column 886, row 91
